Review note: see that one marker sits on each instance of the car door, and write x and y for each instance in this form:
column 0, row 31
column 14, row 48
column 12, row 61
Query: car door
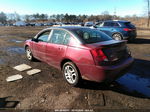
column 39, row 46
column 57, row 47
column 115, row 27
column 106, row 28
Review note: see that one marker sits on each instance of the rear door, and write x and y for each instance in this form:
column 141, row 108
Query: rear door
column 39, row 47
column 57, row 47
column 110, row 27
column 106, row 28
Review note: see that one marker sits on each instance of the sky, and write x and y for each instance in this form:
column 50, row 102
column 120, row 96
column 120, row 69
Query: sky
column 88, row 7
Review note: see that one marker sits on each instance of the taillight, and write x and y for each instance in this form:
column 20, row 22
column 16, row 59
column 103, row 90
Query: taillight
column 98, row 55
column 127, row 29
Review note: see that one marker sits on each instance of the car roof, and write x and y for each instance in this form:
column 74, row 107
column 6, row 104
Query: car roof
column 123, row 21
column 68, row 27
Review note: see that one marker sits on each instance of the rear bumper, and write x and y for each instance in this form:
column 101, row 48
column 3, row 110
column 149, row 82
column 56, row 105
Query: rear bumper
column 130, row 35
column 107, row 73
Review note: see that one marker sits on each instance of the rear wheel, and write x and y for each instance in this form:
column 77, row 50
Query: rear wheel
column 117, row 36
column 71, row 74
column 29, row 54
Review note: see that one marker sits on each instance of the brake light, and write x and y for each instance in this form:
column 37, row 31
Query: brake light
column 127, row 29
column 98, row 55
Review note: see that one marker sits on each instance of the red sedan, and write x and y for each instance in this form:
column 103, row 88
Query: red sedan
column 81, row 53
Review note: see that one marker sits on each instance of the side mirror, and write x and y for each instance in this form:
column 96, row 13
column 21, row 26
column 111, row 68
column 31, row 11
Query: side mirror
column 34, row 39
column 95, row 26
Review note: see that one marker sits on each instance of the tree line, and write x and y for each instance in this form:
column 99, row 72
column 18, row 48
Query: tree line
column 13, row 17
column 67, row 18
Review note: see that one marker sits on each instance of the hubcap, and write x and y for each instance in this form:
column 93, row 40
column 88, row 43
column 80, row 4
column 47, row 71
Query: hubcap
column 70, row 74
column 29, row 54
column 117, row 37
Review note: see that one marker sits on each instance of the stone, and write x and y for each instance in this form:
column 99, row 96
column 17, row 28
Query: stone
column 22, row 67
column 34, row 71
column 14, row 78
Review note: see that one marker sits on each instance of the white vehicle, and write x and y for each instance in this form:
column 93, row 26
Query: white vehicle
column 89, row 24
column 1, row 24
column 19, row 23
column 38, row 24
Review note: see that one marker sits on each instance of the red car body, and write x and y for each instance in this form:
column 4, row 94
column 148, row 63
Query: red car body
column 84, row 56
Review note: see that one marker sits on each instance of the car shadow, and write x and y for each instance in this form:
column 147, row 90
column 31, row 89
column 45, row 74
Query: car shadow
column 140, row 41
column 4, row 103
column 135, row 83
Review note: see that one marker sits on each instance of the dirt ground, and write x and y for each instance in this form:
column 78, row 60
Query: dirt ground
column 47, row 90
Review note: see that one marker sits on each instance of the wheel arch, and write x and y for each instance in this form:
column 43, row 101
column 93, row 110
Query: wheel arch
column 64, row 61
column 68, row 60
column 26, row 46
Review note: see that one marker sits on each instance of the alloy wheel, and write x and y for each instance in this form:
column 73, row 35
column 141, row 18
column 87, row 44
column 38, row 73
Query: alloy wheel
column 70, row 74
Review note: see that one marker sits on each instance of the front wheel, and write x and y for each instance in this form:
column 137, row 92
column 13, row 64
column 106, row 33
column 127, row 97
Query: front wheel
column 71, row 74
column 29, row 54
column 117, row 36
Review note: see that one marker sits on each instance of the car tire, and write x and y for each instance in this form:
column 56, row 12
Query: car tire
column 117, row 36
column 131, row 39
column 29, row 54
column 71, row 74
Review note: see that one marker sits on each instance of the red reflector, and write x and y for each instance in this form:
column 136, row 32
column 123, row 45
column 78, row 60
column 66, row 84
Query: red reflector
column 127, row 29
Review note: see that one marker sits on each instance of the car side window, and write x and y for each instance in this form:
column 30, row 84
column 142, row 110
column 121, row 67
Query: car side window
column 107, row 24
column 60, row 37
column 44, row 36
column 100, row 24
column 115, row 24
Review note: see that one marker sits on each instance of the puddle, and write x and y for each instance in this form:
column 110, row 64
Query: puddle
column 1, row 62
column 3, row 36
column 134, row 83
column 18, row 50
column 16, row 41
column 147, row 55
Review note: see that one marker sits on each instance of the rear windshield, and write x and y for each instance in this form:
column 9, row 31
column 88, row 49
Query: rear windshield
column 89, row 36
column 129, row 25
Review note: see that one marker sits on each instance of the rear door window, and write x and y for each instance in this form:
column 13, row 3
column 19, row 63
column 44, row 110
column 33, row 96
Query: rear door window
column 107, row 24
column 115, row 24
column 60, row 37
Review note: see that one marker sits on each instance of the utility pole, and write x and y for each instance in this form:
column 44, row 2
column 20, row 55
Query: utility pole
column 114, row 13
column 148, row 4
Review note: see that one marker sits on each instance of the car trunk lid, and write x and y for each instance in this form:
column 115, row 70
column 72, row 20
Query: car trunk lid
column 113, row 51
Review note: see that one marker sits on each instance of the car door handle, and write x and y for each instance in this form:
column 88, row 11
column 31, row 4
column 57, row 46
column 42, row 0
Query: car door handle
column 43, row 45
column 59, row 48
column 112, row 29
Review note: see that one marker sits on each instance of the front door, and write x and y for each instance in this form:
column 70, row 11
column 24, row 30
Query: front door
column 39, row 47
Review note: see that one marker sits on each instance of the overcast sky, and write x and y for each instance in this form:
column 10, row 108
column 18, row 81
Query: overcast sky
column 88, row 7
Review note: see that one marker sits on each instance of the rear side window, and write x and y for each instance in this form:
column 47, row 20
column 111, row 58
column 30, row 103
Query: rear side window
column 129, row 25
column 60, row 37
column 89, row 36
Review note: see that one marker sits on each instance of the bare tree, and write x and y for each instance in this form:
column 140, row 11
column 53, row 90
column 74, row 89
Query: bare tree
column 3, row 18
